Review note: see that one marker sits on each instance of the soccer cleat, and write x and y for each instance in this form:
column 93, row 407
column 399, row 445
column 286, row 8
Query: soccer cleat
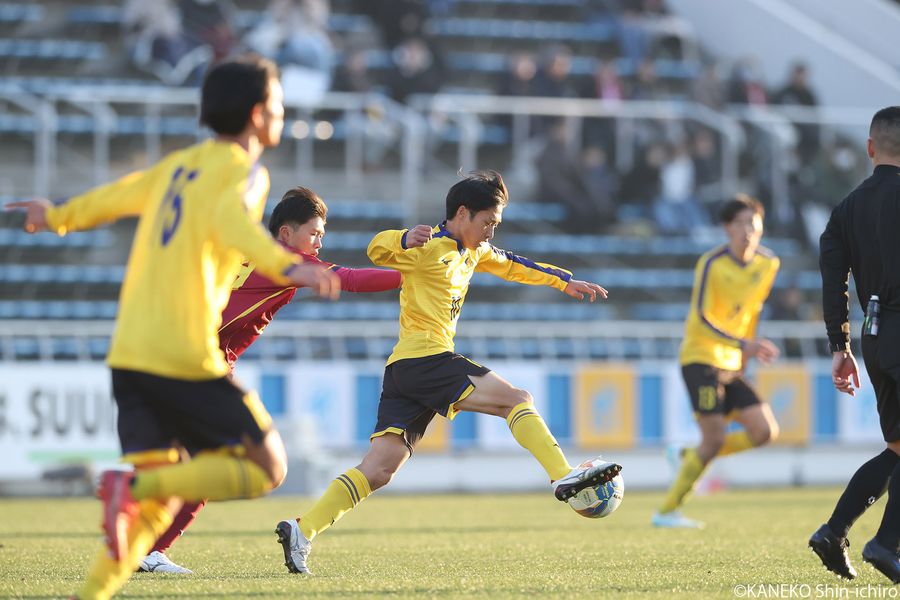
column 675, row 520
column 295, row 545
column 585, row 475
column 119, row 510
column 882, row 559
column 157, row 562
column 832, row 551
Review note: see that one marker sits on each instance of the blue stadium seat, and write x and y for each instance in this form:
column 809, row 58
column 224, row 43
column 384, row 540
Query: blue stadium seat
column 95, row 15
column 540, row 31
column 52, row 49
column 100, row 238
column 21, row 13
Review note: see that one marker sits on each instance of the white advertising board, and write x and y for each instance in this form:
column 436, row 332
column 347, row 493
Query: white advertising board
column 55, row 414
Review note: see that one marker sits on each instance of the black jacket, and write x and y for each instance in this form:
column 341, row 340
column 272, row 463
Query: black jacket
column 862, row 237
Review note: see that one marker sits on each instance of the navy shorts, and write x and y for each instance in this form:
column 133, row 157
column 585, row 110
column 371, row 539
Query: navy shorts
column 717, row 391
column 415, row 389
column 157, row 413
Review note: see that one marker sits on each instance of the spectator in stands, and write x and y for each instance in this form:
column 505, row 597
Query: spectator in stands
column 562, row 180
column 634, row 39
column 210, row 23
column 641, row 185
column 707, row 165
column 519, row 80
column 745, row 86
column 553, row 80
column 677, row 210
column 294, row 33
column 379, row 134
column 601, row 182
column 606, row 83
column 797, row 92
column 417, row 69
column 397, row 20
column 646, row 83
column 708, row 89
column 353, row 73
column 788, row 304
column 157, row 43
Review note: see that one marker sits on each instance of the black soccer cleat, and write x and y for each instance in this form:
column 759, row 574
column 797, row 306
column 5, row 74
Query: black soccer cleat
column 882, row 559
column 590, row 474
column 832, row 551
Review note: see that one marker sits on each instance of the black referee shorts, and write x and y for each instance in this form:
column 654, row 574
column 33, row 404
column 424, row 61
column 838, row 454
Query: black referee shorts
column 157, row 413
column 881, row 355
column 415, row 389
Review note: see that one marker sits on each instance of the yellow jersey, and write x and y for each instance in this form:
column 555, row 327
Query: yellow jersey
column 435, row 281
column 199, row 212
column 726, row 301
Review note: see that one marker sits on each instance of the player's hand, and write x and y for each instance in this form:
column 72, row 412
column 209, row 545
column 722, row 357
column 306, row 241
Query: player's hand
column 35, row 214
column 845, row 372
column 578, row 289
column 316, row 277
column 763, row 350
column 418, row 236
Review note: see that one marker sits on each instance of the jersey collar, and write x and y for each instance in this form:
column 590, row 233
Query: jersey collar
column 444, row 232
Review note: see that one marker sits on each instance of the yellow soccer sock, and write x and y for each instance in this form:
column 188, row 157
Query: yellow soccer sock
column 108, row 575
column 691, row 469
column 342, row 495
column 209, row 475
column 736, row 441
column 531, row 432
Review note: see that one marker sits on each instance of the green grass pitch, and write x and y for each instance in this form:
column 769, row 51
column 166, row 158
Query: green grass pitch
column 449, row 546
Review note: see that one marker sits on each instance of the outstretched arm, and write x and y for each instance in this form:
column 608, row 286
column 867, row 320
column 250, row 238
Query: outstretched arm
column 122, row 198
column 578, row 289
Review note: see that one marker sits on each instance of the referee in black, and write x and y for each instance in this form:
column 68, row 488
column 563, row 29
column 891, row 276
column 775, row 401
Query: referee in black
column 863, row 237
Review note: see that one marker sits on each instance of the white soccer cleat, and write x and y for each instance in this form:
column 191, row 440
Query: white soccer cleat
column 295, row 545
column 675, row 520
column 157, row 562
column 588, row 473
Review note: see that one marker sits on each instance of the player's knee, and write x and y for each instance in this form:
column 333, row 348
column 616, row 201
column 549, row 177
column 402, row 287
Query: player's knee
column 513, row 398
column 710, row 445
column 380, row 477
column 765, row 434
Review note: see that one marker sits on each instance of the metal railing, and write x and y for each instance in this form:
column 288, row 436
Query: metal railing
column 104, row 105
column 372, row 340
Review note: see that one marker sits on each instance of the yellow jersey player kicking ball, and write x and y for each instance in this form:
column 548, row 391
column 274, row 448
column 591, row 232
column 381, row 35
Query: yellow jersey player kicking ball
column 731, row 283
column 424, row 376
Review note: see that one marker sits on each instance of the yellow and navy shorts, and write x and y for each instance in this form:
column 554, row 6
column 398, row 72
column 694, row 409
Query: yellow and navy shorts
column 415, row 389
column 717, row 391
column 156, row 413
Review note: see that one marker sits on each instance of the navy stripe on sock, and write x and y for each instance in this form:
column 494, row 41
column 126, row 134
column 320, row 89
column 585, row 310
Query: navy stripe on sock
column 350, row 490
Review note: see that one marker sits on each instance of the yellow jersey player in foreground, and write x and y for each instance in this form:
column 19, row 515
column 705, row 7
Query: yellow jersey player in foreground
column 731, row 284
column 199, row 212
column 424, row 376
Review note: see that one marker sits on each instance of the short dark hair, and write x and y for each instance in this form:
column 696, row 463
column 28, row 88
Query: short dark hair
column 741, row 202
column 231, row 89
column 480, row 190
column 297, row 206
column 885, row 130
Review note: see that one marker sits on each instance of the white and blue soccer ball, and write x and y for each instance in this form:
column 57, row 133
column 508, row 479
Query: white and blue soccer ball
column 601, row 500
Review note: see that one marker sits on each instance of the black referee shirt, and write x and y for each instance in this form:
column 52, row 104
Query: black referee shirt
column 862, row 237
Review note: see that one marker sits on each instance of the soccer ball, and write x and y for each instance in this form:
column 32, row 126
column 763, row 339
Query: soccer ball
column 598, row 501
